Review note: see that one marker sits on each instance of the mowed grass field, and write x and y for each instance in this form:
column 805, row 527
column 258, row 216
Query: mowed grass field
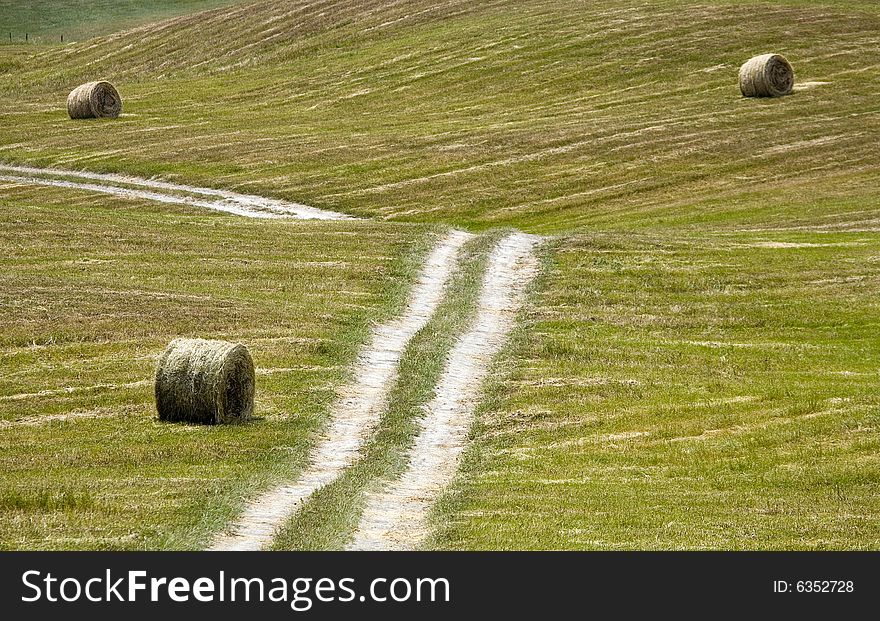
column 46, row 21
column 699, row 362
column 686, row 391
column 91, row 291
column 545, row 116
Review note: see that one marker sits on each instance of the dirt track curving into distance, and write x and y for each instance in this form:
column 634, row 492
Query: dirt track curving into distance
column 164, row 192
column 357, row 411
column 396, row 519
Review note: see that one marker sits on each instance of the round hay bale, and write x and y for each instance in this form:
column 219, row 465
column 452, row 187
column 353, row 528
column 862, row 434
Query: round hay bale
column 767, row 75
column 207, row 382
column 94, row 100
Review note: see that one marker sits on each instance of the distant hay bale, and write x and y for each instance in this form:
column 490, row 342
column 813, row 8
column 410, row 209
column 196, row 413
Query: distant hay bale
column 767, row 75
column 207, row 382
column 94, row 100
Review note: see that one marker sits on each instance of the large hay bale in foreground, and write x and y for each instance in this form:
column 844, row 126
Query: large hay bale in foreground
column 767, row 75
column 94, row 100
column 208, row 382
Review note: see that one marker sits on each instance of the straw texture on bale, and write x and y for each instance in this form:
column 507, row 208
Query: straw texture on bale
column 94, row 100
column 767, row 75
column 207, row 382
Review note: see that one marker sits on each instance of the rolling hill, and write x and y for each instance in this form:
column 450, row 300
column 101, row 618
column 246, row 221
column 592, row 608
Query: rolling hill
column 695, row 367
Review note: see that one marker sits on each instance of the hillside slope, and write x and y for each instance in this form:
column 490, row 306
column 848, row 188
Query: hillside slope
column 697, row 363
column 47, row 21
column 543, row 115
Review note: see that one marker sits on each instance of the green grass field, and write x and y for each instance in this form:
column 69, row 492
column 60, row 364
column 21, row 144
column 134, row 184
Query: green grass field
column 618, row 116
column 686, row 391
column 698, row 365
column 46, row 21
column 93, row 289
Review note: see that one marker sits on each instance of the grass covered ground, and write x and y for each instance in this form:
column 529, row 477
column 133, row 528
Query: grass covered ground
column 329, row 519
column 698, row 367
column 686, row 391
column 45, row 21
column 91, row 291
column 545, row 116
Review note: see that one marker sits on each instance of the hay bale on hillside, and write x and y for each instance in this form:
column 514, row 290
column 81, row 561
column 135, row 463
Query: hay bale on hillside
column 94, row 100
column 767, row 75
column 208, row 382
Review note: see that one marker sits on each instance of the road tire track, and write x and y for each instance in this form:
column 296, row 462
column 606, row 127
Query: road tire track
column 357, row 412
column 165, row 192
column 396, row 518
